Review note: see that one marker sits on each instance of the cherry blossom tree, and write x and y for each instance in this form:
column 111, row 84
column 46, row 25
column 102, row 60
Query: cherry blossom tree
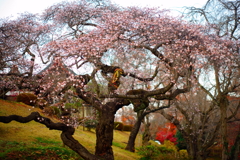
column 223, row 18
column 198, row 120
column 21, row 40
column 84, row 33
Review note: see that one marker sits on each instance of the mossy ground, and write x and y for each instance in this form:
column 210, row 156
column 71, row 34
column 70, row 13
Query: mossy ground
column 34, row 141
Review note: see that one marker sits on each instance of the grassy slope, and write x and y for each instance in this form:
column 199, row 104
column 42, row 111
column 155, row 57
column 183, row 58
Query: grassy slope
column 28, row 132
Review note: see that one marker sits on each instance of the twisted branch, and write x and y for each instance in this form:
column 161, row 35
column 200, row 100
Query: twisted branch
column 66, row 136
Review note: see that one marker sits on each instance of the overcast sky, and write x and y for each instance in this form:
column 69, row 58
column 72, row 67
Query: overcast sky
column 13, row 7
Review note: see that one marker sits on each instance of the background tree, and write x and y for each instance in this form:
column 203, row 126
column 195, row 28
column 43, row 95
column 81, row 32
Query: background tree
column 198, row 120
column 223, row 18
column 221, row 15
column 21, row 40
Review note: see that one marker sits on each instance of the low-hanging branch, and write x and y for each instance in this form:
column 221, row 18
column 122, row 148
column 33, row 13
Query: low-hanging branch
column 111, row 69
column 66, row 135
column 142, row 79
column 142, row 94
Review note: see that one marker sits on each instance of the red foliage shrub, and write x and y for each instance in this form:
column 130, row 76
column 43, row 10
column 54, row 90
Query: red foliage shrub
column 167, row 133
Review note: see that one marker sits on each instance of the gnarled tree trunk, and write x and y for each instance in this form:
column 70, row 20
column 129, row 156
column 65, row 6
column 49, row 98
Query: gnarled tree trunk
column 131, row 141
column 104, row 132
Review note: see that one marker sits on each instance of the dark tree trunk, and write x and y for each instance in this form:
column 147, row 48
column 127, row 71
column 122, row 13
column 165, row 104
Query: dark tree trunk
column 131, row 141
column 192, row 148
column 104, row 129
column 223, row 109
column 195, row 148
column 140, row 116
column 146, row 135
column 104, row 132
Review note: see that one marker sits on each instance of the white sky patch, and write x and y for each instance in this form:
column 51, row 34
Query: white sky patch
column 10, row 8
column 170, row 4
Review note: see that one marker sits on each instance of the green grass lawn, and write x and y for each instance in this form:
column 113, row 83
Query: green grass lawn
column 34, row 141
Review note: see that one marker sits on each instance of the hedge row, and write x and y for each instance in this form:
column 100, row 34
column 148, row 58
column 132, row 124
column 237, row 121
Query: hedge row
column 27, row 98
column 121, row 127
column 32, row 100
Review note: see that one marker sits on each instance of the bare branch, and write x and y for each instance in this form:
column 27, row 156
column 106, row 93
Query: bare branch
column 234, row 114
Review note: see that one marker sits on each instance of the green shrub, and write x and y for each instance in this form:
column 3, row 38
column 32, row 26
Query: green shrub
column 160, row 152
column 170, row 145
column 181, row 142
column 127, row 127
column 165, row 150
column 27, row 98
column 118, row 126
column 90, row 124
column 148, row 152
column 183, row 154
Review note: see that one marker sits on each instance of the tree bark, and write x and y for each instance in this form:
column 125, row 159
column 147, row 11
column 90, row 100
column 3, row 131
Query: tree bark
column 104, row 132
column 104, row 129
column 131, row 141
column 140, row 116
column 223, row 109
column 146, row 135
column 191, row 150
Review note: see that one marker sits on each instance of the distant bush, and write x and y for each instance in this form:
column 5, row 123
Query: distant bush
column 90, row 124
column 41, row 103
column 170, row 145
column 183, row 154
column 164, row 150
column 118, row 126
column 148, row 152
column 27, row 98
column 159, row 152
column 181, row 142
column 127, row 127
column 164, row 135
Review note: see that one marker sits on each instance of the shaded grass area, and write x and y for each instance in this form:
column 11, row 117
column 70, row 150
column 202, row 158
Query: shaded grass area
column 39, row 149
column 34, row 141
